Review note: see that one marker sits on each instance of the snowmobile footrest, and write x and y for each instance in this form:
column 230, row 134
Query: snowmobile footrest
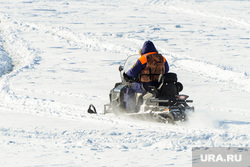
column 159, row 101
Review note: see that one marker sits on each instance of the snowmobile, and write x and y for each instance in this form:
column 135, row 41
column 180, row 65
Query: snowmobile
column 163, row 103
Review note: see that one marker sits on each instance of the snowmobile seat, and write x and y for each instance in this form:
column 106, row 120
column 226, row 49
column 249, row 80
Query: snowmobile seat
column 169, row 86
column 167, row 78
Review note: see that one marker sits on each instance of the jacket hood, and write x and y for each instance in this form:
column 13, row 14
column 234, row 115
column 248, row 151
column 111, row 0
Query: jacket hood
column 147, row 47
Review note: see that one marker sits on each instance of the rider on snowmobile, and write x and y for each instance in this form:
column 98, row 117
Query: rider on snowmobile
column 147, row 70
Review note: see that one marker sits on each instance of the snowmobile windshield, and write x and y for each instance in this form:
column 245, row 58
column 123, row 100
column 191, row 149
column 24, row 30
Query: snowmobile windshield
column 131, row 60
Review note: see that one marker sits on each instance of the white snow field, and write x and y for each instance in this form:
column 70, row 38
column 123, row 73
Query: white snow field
column 59, row 56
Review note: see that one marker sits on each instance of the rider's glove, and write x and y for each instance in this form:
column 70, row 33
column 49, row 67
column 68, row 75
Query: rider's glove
column 126, row 77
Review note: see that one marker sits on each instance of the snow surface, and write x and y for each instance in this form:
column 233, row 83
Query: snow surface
column 59, row 56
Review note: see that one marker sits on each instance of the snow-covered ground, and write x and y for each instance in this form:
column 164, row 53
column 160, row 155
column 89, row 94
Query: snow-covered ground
column 59, row 56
